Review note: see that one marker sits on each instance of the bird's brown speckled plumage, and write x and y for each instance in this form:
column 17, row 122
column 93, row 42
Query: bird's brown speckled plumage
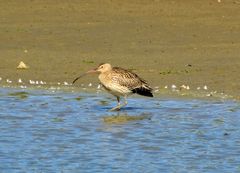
column 121, row 82
column 124, row 82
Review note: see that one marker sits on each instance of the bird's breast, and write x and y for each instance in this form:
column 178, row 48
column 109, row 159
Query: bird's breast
column 104, row 78
column 111, row 85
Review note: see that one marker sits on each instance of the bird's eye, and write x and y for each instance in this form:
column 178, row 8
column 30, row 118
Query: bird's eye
column 101, row 67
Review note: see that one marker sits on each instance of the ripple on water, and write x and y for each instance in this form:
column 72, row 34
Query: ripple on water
column 42, row 131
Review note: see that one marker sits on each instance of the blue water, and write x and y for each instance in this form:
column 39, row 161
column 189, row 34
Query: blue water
column 45, row 131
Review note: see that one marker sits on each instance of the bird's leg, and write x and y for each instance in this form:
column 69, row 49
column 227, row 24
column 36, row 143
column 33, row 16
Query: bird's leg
column 119, row 106
column 118, row 100
column 125, row 101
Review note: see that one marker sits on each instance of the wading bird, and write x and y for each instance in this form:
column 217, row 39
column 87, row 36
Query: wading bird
column 120, row 83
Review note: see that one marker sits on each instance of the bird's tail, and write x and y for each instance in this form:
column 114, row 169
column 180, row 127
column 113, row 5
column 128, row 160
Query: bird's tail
column 144, row 90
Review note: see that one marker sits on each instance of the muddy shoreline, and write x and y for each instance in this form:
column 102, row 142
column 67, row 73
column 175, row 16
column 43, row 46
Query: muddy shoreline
column 189, row 43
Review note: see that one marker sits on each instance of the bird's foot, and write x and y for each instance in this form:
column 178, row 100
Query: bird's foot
column 117, row 108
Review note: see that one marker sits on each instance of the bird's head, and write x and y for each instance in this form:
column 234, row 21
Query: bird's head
column 102, row 68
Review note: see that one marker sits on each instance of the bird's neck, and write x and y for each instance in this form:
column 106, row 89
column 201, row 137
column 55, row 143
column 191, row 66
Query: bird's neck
column 104, row 76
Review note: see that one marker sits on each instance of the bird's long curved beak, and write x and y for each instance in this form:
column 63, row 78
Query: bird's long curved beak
column 84, row 74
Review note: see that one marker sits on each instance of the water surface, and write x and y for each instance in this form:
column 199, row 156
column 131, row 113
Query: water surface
column 46, row 131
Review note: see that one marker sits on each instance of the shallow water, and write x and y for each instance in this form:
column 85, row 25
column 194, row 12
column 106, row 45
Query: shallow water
column 46, row 131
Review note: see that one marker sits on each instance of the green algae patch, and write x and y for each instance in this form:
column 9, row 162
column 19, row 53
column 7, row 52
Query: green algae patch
column 19, row 95
column 88, row 61
column 57, row 120
column 124, row 118
column 78, row 98
column 103, row 102
column 234, row 109
column 219, row 121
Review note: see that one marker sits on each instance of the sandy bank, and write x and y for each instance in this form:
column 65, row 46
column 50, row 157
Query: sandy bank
column 166, row 42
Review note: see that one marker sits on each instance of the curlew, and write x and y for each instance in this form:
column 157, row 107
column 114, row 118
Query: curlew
column 120, row 83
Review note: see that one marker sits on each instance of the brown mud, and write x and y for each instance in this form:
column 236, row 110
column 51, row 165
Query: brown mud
column 195, row 43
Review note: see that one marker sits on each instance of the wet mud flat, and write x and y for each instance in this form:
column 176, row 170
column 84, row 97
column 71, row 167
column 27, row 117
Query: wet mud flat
column 58, row 131
column 191, row 43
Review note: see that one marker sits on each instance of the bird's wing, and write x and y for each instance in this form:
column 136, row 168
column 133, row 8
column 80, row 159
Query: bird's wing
column 128, row 79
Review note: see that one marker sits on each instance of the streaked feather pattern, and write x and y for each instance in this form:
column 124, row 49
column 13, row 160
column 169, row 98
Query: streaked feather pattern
column 120, row 82
column 125, row 82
